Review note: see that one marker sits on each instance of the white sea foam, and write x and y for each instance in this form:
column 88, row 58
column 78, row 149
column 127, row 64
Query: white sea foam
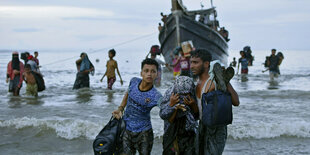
column 259, row 130
column 72, row 128
column 64, row 128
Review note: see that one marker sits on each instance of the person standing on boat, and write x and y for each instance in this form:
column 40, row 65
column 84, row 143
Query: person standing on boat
column 15, row 70
column 244, row 63
column 160, row 27
column 138, row 102
column 164, row 18
column 84, row 67
column 211, row 139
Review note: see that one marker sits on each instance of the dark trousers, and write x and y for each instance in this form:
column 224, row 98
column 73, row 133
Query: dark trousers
column 141, row 141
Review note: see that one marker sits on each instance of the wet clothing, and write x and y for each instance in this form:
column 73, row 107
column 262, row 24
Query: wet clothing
column 16, row 82
column 274, row 64
column 32, row 89
column 212, row 139
column 273, row 74
column 86, row 65
column 244, row 71
column 82, row 79
column 179, row 136
column 139, row 105
column 139, row 133
column 138, row 141
column 177, row 140
column 182, row 85
column 244, row 63
column 111, row 81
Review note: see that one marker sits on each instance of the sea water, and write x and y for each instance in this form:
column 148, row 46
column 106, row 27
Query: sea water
column 273, row 116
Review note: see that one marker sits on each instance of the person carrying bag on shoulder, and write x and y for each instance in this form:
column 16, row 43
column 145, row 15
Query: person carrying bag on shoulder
column 213, row 91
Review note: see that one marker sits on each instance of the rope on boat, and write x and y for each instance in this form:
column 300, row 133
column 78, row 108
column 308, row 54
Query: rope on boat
column 102, row 49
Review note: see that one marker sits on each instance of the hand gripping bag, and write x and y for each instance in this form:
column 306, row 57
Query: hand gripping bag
column 109, row 139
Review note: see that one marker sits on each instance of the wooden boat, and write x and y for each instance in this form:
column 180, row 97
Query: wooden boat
column 182, row 25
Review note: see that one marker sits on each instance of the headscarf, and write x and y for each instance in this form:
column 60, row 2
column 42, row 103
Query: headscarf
column 86, row 64
column 183, row 85
column 15, row 61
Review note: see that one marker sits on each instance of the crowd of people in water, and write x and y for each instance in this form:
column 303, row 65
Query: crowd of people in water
column 17, row 72
column 182, row 107
column 272, row 63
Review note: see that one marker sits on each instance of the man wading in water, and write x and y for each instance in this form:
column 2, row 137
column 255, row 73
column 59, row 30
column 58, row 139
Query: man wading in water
column 273, row 63
column 139, row 100
column 211, row 139
column 15, row 71
column 84, row 67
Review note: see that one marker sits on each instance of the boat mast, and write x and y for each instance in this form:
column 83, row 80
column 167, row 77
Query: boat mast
column 177, row 10
column 213, row 13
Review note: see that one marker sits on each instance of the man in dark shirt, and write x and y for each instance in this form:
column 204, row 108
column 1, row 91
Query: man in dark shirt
column 273, row 64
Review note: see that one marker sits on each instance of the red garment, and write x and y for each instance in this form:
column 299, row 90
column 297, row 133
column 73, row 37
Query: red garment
column 244, row 71
column 12, row 75
column 30, row 57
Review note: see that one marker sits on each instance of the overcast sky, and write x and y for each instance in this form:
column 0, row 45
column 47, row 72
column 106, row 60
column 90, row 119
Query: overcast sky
column 96, row 24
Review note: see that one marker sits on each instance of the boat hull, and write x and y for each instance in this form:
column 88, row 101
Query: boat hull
column 180, row 28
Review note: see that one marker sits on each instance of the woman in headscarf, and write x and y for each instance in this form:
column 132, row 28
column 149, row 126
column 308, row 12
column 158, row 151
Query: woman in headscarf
column 179, row 111
column 84, row 67
column 15, row 71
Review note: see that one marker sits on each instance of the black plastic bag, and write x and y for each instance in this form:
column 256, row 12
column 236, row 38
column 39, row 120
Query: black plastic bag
column 109, row 139
column 39, row 80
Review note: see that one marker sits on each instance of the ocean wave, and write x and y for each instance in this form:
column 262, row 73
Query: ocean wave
column 73, row 128
column 64, row 128
column 260, row 130
column 283, row 94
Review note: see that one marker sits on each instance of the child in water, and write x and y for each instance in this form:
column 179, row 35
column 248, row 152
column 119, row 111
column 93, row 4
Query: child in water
column 179, row 111
column 32, row 87
column 110, row 72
